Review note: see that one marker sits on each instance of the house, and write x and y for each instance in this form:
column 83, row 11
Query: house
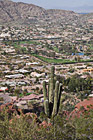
column 22, row 71
column 14, row 76
column 35, row 74
column 32, row 97
column 3, row 89
column 34, row 63
column 88, row 70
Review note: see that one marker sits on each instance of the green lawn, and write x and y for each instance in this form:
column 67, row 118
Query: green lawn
column 29, row 42
column 58, row 61
column 21, row 94
column 50, row 60
column 55, row 49
column 17, row 44
column 91, row 48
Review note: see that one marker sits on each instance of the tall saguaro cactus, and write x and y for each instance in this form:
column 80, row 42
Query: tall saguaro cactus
column 52, row 95
column 51, row 87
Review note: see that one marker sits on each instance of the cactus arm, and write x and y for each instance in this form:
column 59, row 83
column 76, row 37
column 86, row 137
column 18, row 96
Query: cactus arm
column 59, row 95
column 51, row 91
column 55, row 108
column 44, row 90
column 48, row 88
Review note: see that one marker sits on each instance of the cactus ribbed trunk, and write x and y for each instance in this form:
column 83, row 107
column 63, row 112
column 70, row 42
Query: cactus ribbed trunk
column 51, row 89
column 46, row 107
column 59, row 95
column 48, row 88
column 44, row 90
column 55, row 107
column 52, row 98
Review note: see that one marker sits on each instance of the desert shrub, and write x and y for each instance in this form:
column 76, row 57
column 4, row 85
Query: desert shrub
column 24, row 127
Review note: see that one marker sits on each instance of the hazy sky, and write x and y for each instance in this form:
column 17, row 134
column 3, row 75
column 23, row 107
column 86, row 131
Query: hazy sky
column 59, row 3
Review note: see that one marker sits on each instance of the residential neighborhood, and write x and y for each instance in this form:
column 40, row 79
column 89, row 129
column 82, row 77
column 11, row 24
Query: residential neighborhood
column 46, row 73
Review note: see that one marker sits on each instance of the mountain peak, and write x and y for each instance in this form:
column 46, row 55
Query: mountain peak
column 23, row 12
column 5, row 0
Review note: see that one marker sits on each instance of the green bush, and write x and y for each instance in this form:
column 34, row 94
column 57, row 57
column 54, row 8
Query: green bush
column 26, row 128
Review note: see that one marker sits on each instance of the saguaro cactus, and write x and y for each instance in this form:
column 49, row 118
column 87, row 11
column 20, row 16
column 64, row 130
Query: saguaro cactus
column 52, row 95
column 51, row 87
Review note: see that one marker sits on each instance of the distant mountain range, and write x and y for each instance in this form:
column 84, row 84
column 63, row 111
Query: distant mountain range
column 21, row 12
column 83, row 9
column 80, row 9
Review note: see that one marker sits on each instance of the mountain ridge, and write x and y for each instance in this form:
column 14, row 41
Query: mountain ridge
column 19, row 11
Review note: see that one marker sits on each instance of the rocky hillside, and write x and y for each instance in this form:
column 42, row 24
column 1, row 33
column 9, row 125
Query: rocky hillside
column 18, row 11
column 11, row 11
